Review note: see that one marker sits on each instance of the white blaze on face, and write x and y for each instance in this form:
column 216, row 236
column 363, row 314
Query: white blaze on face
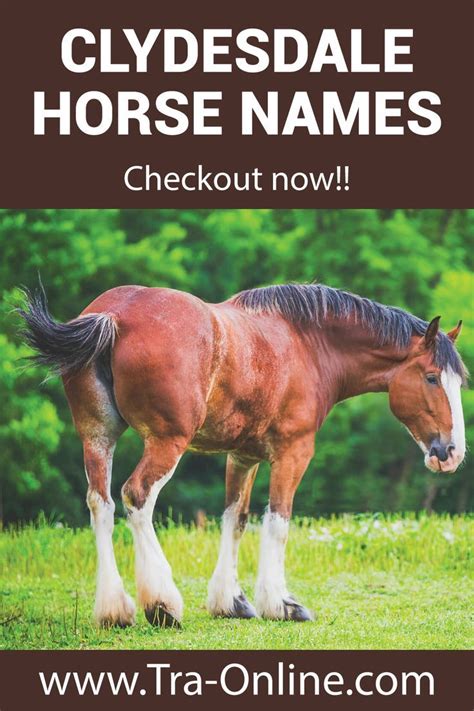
column 451, row 383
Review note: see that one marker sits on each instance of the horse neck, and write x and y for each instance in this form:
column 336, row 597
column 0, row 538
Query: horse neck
column 353, row 362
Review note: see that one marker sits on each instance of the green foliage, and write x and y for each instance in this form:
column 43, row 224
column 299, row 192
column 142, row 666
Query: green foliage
column 377, row 582
column 421, row 260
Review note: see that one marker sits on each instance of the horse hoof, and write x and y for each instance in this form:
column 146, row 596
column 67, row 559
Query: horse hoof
column 296, row 612
column 119, row 612
column 242, row 609
column 158, row 616
column 108, row 622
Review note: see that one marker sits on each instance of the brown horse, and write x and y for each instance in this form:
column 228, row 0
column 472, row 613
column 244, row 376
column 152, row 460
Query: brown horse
column 255, row 377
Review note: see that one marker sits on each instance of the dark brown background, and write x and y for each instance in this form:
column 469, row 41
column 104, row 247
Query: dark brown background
column 21, row 687
column 83, row 171
column 87, row 171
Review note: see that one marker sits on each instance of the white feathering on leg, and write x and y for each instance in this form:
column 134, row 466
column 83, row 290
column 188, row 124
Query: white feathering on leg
column 155, row 585
column 223, row 586
column 112, row 604
column 271, row 587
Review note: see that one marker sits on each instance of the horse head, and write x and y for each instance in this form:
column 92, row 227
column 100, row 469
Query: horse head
column 425, row 395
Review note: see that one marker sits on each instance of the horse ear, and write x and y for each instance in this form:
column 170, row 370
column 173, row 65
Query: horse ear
column 431, row 333
column 452, row 335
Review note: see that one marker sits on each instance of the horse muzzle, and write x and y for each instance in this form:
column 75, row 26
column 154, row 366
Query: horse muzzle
column 443, row 458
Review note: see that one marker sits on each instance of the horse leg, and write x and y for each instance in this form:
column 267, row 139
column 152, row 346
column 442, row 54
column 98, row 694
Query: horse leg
column 157, row 593
column 225, row 596
column 272, row 598
column 112, row 604
column 99, row 425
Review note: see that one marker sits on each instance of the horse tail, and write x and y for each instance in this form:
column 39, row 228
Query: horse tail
column 65, row 347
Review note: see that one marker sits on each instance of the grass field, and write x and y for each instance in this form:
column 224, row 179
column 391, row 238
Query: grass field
column 373, row 582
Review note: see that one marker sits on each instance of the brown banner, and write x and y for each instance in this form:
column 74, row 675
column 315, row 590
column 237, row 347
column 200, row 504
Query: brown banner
column 80, row 170
column 326, row 680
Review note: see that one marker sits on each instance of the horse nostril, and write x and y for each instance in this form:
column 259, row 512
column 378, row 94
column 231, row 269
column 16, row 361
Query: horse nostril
column 450, row 449
column 441, row 453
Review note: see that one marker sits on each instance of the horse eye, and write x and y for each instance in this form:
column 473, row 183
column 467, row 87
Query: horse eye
column 432, row 379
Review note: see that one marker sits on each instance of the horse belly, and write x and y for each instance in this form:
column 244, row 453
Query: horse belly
column 226, row 430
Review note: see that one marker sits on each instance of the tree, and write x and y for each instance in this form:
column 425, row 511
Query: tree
column 421, row 260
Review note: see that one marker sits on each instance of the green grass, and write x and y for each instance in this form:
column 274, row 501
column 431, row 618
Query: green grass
column 374, row 583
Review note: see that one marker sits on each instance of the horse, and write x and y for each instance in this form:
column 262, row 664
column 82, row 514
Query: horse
column 254, row 376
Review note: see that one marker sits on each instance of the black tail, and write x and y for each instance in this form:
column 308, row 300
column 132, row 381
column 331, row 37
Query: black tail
column 65, row 347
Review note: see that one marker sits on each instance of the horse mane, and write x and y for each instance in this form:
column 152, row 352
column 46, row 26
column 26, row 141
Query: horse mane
column 311, row 303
